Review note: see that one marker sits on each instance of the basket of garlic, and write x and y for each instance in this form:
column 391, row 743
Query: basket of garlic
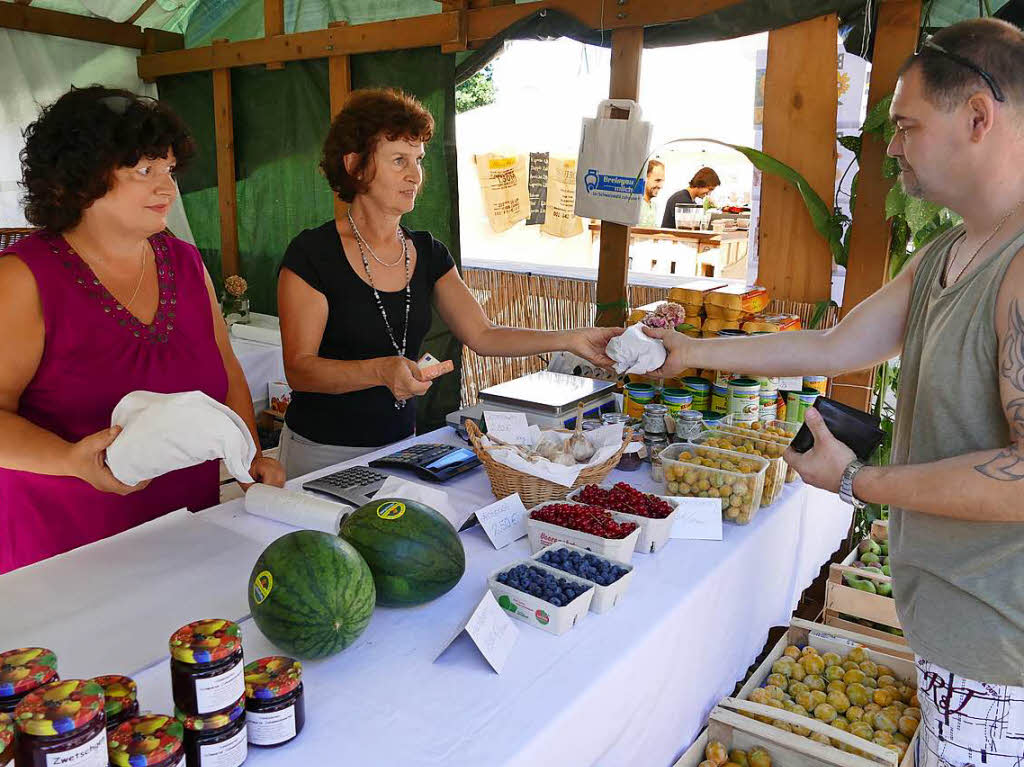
column 557, row 463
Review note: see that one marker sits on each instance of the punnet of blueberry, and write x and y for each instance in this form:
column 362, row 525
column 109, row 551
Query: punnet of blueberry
column 586, row 566
column 539, row 583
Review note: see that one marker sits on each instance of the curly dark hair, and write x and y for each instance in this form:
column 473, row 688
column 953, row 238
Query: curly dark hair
column 73, row 148
column 367, row 117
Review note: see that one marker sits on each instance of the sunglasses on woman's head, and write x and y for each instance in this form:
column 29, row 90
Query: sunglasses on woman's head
column 930, row 45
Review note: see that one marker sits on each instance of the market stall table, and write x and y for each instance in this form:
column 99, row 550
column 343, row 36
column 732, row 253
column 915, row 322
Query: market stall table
column 629, row 687
column 260, row 359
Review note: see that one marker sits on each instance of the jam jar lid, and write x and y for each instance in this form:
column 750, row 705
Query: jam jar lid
column 272, row 677
column 145, row 740
column 6, row 731
column 206, row 641
column 119, row 693
column 25, row 669
column 59, row 708
column 211, row 721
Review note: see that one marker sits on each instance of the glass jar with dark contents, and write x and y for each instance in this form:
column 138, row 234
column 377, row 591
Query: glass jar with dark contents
column 62, row 723
column 216, row 740
column 6, row 739
column 121, row 699
column 22, row 671
column 155, row 740
column 275, row 707
column 207, row 671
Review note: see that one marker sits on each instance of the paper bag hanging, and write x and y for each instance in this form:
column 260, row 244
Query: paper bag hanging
column 560, row 219
column 612, row 155
column 503, row 181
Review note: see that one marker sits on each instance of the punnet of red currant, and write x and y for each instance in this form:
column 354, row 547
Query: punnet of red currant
column 625, row 498
column 592, row 520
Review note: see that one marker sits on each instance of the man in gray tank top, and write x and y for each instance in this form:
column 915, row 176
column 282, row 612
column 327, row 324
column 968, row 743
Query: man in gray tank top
column 955, row 316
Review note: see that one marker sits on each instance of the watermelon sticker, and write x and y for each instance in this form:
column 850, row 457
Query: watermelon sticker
column 391, row 510
column 542, row 617
column 261, row 586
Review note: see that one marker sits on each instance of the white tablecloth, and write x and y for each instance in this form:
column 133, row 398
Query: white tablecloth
column 262, row 364
column 630, row 687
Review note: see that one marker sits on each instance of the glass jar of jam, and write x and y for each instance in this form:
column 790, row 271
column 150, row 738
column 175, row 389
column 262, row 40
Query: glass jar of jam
column 275, row 708
column 207, row 671
column 154, row 740
column 121, row 699
column 62, row 723
column 6, row 739
column 216, row 740
column 22, row 671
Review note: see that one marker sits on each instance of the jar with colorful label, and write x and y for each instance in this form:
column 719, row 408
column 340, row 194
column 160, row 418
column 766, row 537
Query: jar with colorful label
column 22, row 671
column 216, row 740
column 637, row 396
column 700, row 390
column 722, row 378
column 676, row 400
column 207, row 672
column 62, row 723
column 6, row 739
column 275, row 708
column 818, row 383
column 155, row 740
column 719, row 398
column 745, row 399
column 769, row 407
column 121, row 699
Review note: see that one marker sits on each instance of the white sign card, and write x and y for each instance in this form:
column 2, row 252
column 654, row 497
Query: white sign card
column 492, row 631
column 504, row 521
column 698, row 519
column 508, row 427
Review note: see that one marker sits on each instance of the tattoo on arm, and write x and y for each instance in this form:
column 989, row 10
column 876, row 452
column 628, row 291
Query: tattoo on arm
column 1008, row 465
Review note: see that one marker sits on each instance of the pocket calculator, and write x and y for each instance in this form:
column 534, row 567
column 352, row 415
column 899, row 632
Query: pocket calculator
column 355, row 485
column 433, row 462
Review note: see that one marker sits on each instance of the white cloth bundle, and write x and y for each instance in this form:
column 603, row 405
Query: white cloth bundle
column 636, row 352
column 165, row 432
column 297, row 509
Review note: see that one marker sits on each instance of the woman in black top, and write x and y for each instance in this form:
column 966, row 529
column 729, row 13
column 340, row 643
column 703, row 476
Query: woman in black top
column 355, row 295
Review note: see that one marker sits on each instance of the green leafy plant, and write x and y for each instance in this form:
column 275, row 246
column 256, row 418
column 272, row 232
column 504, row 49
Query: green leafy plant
column 477, row 91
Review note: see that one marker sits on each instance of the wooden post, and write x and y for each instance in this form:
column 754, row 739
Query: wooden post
column 613, row 262
column 273, row 24
column 226, row 197
column 801, row 99
column 339, row 70
column 868, row 266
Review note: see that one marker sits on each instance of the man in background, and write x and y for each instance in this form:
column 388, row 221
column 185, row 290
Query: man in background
column 703, row 183
column 655, row 181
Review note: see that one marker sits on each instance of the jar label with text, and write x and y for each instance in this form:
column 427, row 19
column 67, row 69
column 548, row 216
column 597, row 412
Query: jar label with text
column 219, row 692
column 91, row 754
column 271, row 728
column 230, row 753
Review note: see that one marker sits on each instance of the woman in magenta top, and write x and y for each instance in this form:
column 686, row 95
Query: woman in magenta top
column 95, row 305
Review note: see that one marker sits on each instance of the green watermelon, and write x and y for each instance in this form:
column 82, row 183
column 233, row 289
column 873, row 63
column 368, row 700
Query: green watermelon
column 311, row 594
column 414, row 553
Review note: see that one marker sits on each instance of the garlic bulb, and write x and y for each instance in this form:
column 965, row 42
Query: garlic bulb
column 565, row 456
column 581, row 448
column 548, row 446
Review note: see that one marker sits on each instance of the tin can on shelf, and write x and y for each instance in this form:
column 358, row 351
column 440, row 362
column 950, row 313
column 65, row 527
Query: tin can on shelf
column 745, row 399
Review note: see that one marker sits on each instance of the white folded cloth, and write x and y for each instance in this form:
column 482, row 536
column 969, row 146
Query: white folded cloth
column 635, row 352
column 165, row 432
column 263, row 328
column 297, row 509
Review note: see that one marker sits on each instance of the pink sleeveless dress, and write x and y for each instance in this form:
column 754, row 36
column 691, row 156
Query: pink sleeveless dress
column 95, row 353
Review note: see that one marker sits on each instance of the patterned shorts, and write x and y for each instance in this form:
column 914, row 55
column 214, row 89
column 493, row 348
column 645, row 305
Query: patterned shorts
column 966, row 723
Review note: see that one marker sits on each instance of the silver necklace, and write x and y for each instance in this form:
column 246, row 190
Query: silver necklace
column 359, row 237
column 400, row 350
column 988, row 239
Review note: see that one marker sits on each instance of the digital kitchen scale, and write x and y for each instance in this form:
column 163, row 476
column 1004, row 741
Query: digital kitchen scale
column 548, row 399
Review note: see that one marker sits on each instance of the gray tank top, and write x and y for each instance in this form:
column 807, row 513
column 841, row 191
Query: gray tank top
column 959, row 585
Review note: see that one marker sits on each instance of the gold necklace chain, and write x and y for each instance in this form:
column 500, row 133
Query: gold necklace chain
column 142, row 274
column 981, row 247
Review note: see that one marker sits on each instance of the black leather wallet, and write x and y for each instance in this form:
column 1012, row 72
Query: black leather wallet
column 854, row 428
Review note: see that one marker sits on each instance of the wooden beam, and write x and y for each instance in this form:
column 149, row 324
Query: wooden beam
column 339, row 72
column 800, row 104
column 868, row 266
column 145, row 6
column 420, row 32
column 273, row 24
column 613, row 261
column 226, row 194
column 27, row 18
column 459, row 7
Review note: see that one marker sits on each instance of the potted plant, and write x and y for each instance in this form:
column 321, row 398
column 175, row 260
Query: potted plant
column 235, row 303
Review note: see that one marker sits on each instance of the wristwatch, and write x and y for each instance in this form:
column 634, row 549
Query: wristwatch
column 846, row 484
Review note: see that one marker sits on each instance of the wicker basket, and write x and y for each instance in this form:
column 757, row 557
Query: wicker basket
column 533, row 490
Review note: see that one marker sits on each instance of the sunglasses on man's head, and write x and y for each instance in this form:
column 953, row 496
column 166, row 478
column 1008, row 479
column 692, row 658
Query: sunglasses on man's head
column 930, row 45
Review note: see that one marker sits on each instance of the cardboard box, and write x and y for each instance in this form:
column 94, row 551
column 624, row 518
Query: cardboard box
column 605, row 597
column 538, row 612
column 543, row 534
column 654, row 533
column 279, row 395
